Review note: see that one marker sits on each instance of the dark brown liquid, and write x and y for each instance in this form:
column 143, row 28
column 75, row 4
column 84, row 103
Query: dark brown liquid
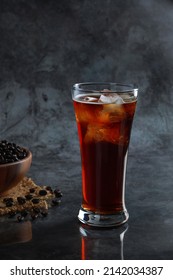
column 104, row 133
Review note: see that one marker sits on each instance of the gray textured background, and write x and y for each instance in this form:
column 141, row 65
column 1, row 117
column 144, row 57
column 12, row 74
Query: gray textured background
column 46, row 47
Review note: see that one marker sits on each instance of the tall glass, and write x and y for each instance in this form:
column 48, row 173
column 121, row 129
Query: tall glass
column 104, row 115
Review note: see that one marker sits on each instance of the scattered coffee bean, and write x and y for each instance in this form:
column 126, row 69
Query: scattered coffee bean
column 7, row 199
column 48, row 188
column 21, row 200
column 24, row 213
column 36, row 210
column 42, row 192
column 28, row 196
column 55, row 201
column 9, row 203
column 57, row 193
column 34, row 216
column 52, row 198
column 35, row 200
column 20, row 218
column 44, row 213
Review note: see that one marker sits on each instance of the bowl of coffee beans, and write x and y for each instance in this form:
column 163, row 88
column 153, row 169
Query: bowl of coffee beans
column 15, row 162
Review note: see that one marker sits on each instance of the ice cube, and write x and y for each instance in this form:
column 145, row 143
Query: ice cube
column 127, row 98
column 99, row 133
column 112, row 113
column 111, row 98
column 90, row 99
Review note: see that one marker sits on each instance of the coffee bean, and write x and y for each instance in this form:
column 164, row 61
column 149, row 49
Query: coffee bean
column 9, row 203
column 9, row 152
column 28, row 196
column 42, row 192
column 55, row 201
column 35, row 200
column 8, row 199
column 44, row 213
column 36, row 210
column 24, row 213
column 20, row 218
column 21, row 200
column 48, row 188
column 57, row 193
column 34, row 216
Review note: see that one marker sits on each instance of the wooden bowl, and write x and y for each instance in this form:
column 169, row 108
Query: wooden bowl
column 12, row 173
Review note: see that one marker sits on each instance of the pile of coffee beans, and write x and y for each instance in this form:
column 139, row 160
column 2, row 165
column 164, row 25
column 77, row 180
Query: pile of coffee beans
column 35, row 211
column 10, row 152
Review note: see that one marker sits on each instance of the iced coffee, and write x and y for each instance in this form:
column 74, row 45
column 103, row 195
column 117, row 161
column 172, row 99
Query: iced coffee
column 104, row 119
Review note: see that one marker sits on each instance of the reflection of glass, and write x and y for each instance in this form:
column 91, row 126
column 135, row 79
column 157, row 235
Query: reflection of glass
column 104, row 115
column 102, row 244
column 13, row 232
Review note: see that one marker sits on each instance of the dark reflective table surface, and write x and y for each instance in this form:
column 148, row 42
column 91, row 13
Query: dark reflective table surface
column 147, row 235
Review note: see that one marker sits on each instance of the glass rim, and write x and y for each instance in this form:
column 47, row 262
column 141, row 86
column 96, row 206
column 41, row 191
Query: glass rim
column 125, row 87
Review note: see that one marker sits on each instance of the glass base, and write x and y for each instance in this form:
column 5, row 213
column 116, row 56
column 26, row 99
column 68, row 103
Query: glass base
column 102, row 220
